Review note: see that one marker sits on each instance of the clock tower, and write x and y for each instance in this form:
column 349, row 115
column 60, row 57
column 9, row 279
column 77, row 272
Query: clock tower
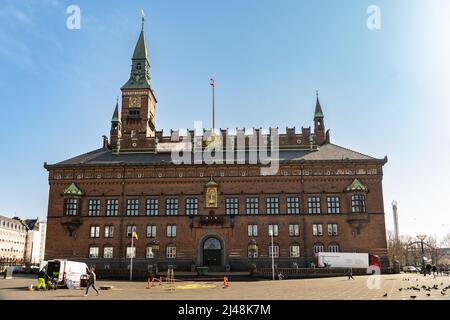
column 138, row 101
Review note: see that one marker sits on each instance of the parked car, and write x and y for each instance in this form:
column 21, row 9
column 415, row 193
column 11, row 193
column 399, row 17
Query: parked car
column 410, row 269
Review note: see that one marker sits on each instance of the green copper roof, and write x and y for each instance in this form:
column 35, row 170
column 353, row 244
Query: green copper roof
column 73, row 190
column 318, row 112
column 115, row 117
column 140, row 52
column 357, row 186
column 137, row 84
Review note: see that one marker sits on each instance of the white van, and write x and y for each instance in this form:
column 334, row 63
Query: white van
column 68, row 272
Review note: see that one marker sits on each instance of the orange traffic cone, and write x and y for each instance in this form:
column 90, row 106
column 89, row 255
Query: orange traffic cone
column 225, row 282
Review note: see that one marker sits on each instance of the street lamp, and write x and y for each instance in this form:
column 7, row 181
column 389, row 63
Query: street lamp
column 272, row 253
column 155, row 250
column 252, row 247
column 421, row 238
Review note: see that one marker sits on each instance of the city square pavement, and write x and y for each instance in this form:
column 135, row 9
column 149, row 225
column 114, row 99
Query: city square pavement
column 339, row 288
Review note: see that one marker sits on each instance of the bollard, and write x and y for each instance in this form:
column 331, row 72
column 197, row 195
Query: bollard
column 153, row 282
column 160, row 280
column 148, row 283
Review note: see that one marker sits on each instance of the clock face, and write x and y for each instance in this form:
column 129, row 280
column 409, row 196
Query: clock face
column 134, row 102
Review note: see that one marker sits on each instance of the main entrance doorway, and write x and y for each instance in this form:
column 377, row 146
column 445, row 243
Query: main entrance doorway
column 212, row 252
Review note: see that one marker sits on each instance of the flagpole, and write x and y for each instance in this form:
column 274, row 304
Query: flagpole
column 131, row 264
column 213, row 115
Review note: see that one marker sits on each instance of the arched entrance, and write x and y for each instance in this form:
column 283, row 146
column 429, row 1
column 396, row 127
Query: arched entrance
column 212, row 252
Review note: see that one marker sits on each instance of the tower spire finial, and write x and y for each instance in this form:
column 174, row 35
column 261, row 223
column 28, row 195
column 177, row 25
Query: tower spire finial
column 317, row 93
column 142, row 19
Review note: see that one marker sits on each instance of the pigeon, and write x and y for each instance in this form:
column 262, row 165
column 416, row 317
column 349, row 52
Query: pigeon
column 400, row 289
column 385, row 295
column 428, row 294
column 413, row 297
column 443, row 293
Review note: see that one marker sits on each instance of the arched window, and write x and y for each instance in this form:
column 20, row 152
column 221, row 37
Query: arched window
column 319, row 247
column 294, row 250
column 212, row 244
column 107, row 252
column 171, row 251
column 149, row 254
column 131, row 251
column 274, row 251
column 334, row 247
column 93, row 252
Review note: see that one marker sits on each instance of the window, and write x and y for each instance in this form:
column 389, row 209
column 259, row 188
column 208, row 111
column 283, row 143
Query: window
column 108, row 252
column 152, row 207
column 333, row 248
column 252, row 205
column 131, row 251
column 232, row 206
column 151, row 231
column 272, row 204
column 191, row 206
column 171, row 252
column 252, row 230
column 71, row 206
column 109, row 231
column 332, row 229
column 314, row 205
column 255, row 253
column 318, row 248
column 171, row 206
column 293, row 205
column 358, row 203
column 93, row 252
column 274, row 251
column 95, row 232
column 171, row 231
column 294, row 230
column 333, row 205
column 273, row 229
column 132, row 207
column 94, row 207
column 317, row 229
column 294, row 251
column 130, row 230
column 112, row 207
column 149, row 253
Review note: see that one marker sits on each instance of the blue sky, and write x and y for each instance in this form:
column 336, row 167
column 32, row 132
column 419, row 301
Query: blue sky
column 383, row 92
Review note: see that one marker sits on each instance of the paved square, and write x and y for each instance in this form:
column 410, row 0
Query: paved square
column 339, row 288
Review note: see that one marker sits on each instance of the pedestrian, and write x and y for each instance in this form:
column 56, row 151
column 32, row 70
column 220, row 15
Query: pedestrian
column 42, row 279
column 350, row 274
column 280, row 276
column 434, row 269
column 91, row 281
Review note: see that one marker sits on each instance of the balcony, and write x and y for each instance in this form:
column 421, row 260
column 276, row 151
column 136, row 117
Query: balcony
column 211, row 220
column 358, row 218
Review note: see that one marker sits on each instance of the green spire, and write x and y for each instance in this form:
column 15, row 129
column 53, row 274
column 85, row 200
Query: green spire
column 115, row 117
column 357, row 186
column 140, row 69
column 73, row 190
column 318, row 113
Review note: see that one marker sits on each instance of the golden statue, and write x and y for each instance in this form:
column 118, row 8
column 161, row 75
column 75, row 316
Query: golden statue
column 211, row 194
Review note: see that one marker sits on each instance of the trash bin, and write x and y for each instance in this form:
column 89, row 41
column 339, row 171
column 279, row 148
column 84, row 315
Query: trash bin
column 83, row 281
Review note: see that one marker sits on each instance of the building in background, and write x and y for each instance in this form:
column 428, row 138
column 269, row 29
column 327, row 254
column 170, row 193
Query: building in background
column 35, row 241
column 324, row 197
column 13, row 237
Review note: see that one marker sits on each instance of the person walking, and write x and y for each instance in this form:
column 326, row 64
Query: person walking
column 434, row 269
column 350, row 274
column 91, row 281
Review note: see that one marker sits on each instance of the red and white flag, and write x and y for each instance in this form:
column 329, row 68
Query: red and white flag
column 212, row 82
